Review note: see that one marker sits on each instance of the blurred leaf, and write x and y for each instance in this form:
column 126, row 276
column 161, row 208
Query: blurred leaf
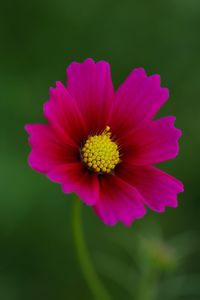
column 185, row 244
column 179, row 286
column 121, row 273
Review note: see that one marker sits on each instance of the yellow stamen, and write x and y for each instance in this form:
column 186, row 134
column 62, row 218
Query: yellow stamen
column 100, row 153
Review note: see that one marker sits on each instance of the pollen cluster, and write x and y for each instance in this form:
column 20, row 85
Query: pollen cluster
column 100, row 153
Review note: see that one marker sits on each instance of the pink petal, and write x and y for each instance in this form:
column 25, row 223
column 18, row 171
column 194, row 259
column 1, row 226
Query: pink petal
column 153, row 143
column 137, row 101
column 75, row 179
column 47, row 150
column 118, row 201
column 90, row 84
column 64, row 116
column 157, row 188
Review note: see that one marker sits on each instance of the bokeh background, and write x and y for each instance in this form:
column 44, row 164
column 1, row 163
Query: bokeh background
column 160, row 255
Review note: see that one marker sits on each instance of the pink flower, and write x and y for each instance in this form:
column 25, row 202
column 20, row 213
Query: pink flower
column 101, row 144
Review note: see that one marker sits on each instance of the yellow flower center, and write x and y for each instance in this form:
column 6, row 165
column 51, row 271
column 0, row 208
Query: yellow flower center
column 100, row 153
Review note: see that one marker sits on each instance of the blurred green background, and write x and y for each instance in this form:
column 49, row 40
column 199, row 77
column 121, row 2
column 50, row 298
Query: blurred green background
column 160, row 255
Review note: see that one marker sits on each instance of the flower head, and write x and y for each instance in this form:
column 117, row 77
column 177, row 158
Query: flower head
column 101, row 144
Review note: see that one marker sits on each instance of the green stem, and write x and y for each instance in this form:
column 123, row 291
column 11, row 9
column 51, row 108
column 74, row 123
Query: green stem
column 96, row 287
